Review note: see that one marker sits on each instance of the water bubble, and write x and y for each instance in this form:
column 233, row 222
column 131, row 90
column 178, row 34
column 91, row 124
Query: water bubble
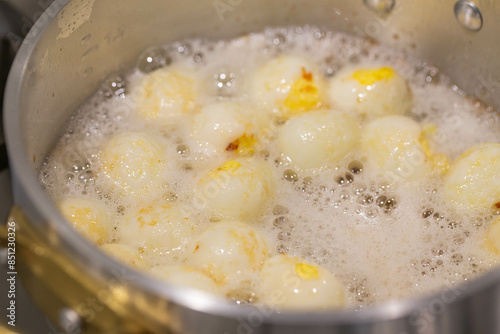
column 183, row 150
column 120, row 209
column 307, row 180
column 454, row 224
column 187, row 167
column 198, row 57
column 427, row 213
column 86, row 176
column 153, row 59
column 73, row 161
column 280, row 222
column 319, row 34
column 356, row 167
column 495, row 209
column 291, row 175
column 432, row 75
column 278, row 39
column 366, row 200
column 184, row 49
column 114, row 86
column 169, row 196
column 244, row 294
column 457, row 258
column 284, row 236
column 386, row 203
column 282, row 249
column 279, row 210
column 225, row 83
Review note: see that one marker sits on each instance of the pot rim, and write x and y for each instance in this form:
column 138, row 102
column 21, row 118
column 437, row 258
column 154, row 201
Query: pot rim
column 25, row 178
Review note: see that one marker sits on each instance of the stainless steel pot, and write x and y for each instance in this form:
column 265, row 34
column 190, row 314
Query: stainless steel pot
column 78, row 43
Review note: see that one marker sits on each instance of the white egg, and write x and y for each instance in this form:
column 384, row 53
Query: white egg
column 228, row 252
column 240, row 188
column 370, row 91
column 318, row 138
column 294, row 283
column 217, row 125
column 493, row 237
column 185, row 276
column 473, row 181
column 393, row 145
column 133, row 163
column 89, row 217
column 166, row 94
column 124, row 254
column 156, row 227
column 288, row 83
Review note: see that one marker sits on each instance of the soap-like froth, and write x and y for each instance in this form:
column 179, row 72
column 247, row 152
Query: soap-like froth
column 318, row 138
column 346, row 218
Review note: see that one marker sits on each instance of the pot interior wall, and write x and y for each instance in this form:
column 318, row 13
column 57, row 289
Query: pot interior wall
column 89, row 40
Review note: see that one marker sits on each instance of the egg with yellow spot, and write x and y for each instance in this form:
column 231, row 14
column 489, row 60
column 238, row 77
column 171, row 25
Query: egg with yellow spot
column 293, row 283
column 124, row 254
column 473, row 181
column 156, row 227
column 219, row 124
column 394, row 146
column 370, row 91
column 133, row 163
column 288, row 84
column 239, row 188
column 318, row 138
column 166, row 94
column 88, row 216
column 228, row 252
column 185, row 276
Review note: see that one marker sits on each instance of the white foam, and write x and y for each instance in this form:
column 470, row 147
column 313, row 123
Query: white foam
column 335, row 217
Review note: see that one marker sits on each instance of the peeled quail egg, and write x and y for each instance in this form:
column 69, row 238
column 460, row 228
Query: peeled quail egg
column 185, row 276
column 133, row 163
column 393, row 145
column 370, row 91
column 240, row 188
column 88, row 216
column 166, row 93
column 288, row 83
column 227, row 251
column 157, row 226
column 473, row 181
column 318, row 138
column 294, row 283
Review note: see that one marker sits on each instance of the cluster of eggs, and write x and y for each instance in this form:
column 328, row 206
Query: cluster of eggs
column 313, row 122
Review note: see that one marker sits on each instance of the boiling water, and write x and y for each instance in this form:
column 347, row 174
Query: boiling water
column 382, row 241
